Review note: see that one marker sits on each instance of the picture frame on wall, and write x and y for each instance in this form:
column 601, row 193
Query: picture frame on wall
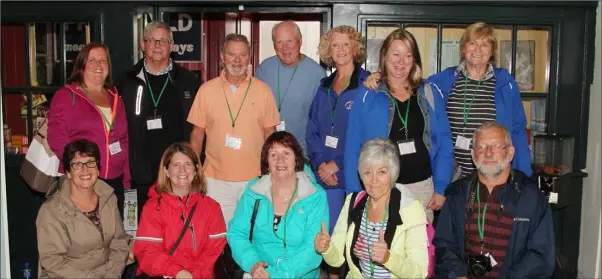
column 525, row 62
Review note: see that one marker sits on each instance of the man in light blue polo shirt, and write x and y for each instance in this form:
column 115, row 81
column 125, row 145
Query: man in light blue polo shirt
column 293, row 77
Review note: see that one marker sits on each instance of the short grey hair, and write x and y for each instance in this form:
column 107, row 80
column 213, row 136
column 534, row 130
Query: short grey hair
column 487, row 125
column 380, row 150
column 233, row 37
column 287, row 22
column 156, row 25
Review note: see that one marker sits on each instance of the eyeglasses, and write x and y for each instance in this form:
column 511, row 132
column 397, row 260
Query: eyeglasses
column 186, row 166
column 79, row 165
column 153, row 42
column 496, row 148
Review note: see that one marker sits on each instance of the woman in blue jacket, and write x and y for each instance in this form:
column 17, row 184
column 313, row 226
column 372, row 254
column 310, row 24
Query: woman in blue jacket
column 342, row 47
column 404, row 109
column 477, row 91
column 290, row 208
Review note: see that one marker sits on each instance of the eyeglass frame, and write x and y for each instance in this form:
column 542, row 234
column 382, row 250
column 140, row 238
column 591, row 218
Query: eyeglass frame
column 82, row 164
column 495, row 148
column 162, row 42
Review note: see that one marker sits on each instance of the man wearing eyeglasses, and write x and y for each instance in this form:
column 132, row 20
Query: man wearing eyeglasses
column 293, row 77
column 495, row 223
column 157, row 94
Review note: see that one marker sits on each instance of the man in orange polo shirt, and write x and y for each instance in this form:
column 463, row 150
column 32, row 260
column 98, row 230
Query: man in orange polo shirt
column 236, row 112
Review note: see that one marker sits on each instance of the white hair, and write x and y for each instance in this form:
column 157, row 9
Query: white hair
column 287, row 22
column 380, row 151
column 490, row 125
column 155, row 25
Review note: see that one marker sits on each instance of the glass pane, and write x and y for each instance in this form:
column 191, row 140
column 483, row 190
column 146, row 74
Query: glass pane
column 450, row 45
column 44, row 59
column 377, row 33
column 426, row 38
column 503, row 34
column 535, row 111
column 532, row 59
column 77, row 35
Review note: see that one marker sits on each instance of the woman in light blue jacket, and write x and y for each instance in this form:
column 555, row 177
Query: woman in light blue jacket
column 291, row 206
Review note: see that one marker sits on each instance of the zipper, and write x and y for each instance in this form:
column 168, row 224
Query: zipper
column 193, row 238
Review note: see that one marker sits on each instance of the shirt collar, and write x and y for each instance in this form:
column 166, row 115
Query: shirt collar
column 162, row 72
column 462, row 68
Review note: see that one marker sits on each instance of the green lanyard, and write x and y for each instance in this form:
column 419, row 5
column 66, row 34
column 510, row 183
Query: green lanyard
column 289, row 84
column 150, row 90
column 110, row 124
column 366, row 226
column 465, row 110
column 404, row 121
column 290, row 202
column 333, row 108
column 242, row 103
column 481, row 220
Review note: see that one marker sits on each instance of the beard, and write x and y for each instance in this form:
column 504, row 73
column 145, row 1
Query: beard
column 491, row 171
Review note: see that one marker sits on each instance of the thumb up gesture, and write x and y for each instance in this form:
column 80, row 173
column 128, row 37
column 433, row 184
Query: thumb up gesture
column 379, row 250
column 322, row 240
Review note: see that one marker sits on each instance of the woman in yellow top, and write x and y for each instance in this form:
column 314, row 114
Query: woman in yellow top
column 384, row 234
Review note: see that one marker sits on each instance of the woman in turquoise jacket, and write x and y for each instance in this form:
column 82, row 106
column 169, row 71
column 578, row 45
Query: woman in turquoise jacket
column 291, row 206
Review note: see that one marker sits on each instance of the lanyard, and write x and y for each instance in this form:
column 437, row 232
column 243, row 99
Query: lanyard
column 465, row 110
column 242, row 103
column 284, row 216
column 280, row 101
column 481, row 219
column 366, row 226
column 150, row 89
column 333, row 108
column 404, row 121
column 113, row 110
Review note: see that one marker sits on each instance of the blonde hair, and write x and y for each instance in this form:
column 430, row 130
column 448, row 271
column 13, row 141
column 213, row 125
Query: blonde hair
column 359, row 47
column 164, row 183
column 477, row 31
column 415, row 75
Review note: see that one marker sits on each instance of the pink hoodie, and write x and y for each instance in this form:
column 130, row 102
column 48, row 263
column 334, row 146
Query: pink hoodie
column 74, row 116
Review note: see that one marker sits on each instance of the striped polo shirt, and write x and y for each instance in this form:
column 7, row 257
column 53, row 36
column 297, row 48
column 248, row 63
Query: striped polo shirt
column 497, row 231
column 482, row 109
column 368, row 237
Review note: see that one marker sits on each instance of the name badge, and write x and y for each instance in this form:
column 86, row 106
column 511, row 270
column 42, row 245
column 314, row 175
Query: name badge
column 463, row 143
column 406, row 147
column 331, row 141
column 114, row 148
column 154, row 123
column 233, row 142
column 281, row 126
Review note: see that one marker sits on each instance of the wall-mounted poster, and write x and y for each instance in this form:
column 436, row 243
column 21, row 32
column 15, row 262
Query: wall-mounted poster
column 187, row 35
column 450, row 54
column 525, row 62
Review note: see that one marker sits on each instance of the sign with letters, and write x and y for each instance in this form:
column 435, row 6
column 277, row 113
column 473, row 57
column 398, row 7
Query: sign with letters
column 187, row 34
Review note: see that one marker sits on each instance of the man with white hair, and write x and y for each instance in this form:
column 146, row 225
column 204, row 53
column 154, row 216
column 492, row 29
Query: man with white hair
column 293, row 77
column 157, row 94
column 507, row 231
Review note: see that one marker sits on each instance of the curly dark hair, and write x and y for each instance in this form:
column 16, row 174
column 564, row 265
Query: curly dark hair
column 285, row 139
column 83, row 147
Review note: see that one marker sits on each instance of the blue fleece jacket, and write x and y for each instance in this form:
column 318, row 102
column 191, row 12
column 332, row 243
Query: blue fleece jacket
column 508, row 108
column 530, row 252
column 319, row 124
column 372, row 116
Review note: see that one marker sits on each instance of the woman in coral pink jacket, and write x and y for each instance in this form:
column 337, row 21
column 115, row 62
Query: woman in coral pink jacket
column 89, row 108
column 180, row 186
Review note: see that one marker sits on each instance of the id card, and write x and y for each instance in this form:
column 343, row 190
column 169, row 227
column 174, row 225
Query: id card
column 154, row 123
column 114, row 148
column 406, row 147
column 463, row 143
column 281, row 126
column 493, row 261
column 331, row 141
column 233, row 142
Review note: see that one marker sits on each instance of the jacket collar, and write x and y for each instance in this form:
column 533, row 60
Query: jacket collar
column 305, row 183
column 136, row 72
column 101, row 188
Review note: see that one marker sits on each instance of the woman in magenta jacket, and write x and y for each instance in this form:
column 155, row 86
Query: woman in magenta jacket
column 88, row 107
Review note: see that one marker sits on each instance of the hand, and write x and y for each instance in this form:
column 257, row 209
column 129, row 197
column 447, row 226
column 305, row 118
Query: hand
column 131, row 259
column 379, row 253
column 372, row 80
column 322, row 240
column 183, row 274
column 436, row 202
column 258, row 271
column 333, row 180
column 327, row 169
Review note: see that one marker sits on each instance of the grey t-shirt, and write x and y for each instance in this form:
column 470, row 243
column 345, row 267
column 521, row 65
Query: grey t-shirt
column 297, row 90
